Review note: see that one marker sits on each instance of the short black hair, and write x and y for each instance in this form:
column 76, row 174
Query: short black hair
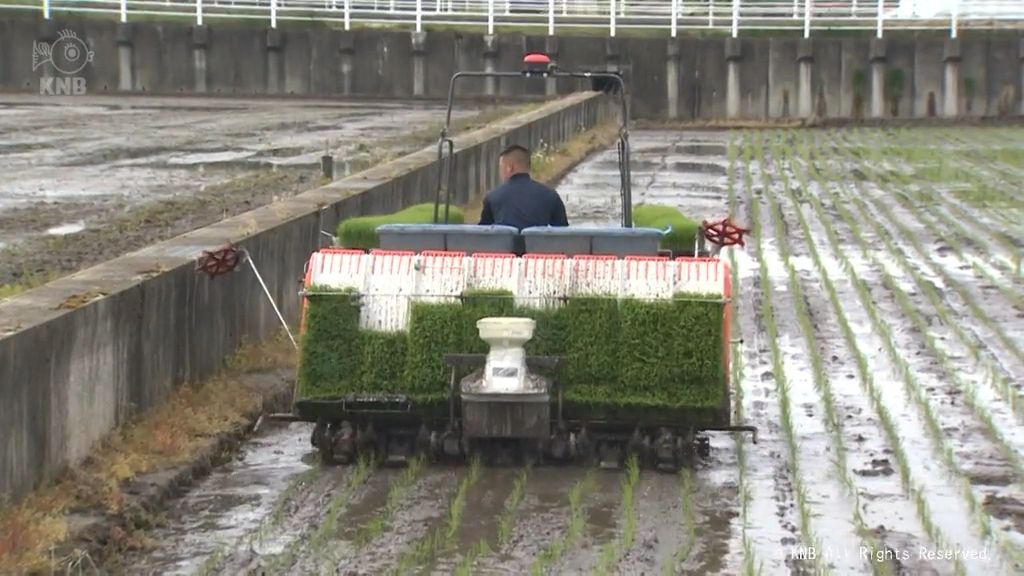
column 519, row 154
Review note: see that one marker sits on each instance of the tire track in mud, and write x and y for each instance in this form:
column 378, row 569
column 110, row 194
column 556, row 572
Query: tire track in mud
column 931, row 490
column 821, row 454
column 771, row 496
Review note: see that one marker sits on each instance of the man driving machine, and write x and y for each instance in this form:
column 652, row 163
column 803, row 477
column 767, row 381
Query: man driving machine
column 521, row 201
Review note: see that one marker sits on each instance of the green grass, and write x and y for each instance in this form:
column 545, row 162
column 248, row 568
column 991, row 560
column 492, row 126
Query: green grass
column 684, row 232
column 361, row 232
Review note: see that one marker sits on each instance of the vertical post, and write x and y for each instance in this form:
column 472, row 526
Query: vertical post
column 419, row 15
column 46, row 9
column 807, row 18
column 672, row 78
column 796, row 9
column 508, row 7
column 735, row 17
column 853, row 8
column 675, row 12
column 733, row 55
column 565, row 7
column 348, row 14
column 200, row 41
column 953, row 19
column 199, row 12
column 611, row 17
column 273, row 13
column 551, row 17
column 124, row 11
column 951, row 79
column 490, row 17
column 711, row 14
column 879, row 16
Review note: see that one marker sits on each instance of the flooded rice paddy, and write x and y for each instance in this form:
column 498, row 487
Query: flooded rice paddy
column 881, row 311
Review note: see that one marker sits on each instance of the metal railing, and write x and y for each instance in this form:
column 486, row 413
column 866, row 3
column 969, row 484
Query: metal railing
column 671, row 16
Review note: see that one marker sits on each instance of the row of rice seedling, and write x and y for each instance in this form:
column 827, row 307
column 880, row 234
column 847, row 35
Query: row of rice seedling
column 869, row 166
column 978, row 353
column 782, row 384
column 990, row 195
column 577, row 520
column 443, row 537
column 396, row 491
column 737, row 373
column 821, row 380
column 689, row 527
column 328, row 526
column 505, row 524
column 971, row 393
column 980, row 516
column 912, row 385
column 910, row 484
column 921, row 194
column 614, row 550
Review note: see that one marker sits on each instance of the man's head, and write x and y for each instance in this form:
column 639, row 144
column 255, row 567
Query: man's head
column 514, row 160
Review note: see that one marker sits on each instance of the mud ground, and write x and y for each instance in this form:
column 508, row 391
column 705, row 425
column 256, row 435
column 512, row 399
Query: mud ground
column 87, row 179
column 883, row 380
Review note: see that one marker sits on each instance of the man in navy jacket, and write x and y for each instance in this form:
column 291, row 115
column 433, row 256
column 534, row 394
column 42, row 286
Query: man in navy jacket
column 521, row 201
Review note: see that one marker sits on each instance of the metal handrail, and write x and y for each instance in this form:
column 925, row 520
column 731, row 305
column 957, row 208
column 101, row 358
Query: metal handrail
column 732, row 16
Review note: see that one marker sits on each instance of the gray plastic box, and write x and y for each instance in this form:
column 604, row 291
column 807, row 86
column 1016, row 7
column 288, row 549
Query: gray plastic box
column 622, row 242
column 471, row 238
column 557, row 240
column 415, row 237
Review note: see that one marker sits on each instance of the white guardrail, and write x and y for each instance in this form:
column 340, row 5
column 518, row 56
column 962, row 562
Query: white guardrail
column 730, row 16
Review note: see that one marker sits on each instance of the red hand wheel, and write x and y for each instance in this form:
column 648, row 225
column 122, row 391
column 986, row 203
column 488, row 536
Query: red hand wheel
column 218, row 262
column 723, row 232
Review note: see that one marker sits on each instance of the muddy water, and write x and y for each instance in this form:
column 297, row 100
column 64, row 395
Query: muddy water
column 229, row 504
column 95, row 156
column 676, row 168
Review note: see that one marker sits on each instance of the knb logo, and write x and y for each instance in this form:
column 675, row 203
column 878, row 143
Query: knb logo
column 68, row 55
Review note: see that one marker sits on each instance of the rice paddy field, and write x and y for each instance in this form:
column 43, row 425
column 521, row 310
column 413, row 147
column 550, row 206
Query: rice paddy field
column 880, row 353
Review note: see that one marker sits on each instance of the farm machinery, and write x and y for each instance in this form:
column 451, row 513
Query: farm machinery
column 573, row 344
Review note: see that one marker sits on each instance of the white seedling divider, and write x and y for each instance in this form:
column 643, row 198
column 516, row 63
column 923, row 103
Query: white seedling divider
column 389, row 280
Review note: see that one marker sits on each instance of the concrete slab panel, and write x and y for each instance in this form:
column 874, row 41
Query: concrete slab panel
column 974, row 77
column 1004, row 80
column 782, row 68
column 855, row 87
column 754, row 78
column 828, row 85
column 928, row 78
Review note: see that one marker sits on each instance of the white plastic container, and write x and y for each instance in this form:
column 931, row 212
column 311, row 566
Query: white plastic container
column 505, row 371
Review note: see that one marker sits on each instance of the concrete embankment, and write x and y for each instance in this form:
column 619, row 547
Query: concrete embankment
column 84, row 354
column 708, row 78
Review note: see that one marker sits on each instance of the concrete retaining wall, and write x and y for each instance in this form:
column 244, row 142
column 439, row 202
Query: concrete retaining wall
column 82, row 355
column 686, row 78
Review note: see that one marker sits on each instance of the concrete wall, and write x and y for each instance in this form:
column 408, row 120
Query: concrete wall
column 147, row 322
column 683, row 78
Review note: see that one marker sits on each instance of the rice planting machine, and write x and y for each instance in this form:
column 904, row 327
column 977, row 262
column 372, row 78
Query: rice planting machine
column 497, row 400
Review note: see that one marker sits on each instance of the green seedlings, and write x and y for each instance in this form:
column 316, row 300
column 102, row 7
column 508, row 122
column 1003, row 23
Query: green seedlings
column 396, row 492
column 328, row 525
column 686, row 491
column 614, row 550
column 924, row 513
column 782, row 384
column 442, row 538
column 554, row 551
column 505, row 523
column 911, row 384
